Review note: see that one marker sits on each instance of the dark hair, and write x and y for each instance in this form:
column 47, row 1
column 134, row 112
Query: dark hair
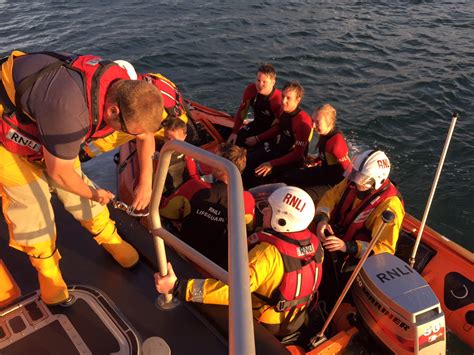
column 267, row 69
column 296, row 86
column 174, row 123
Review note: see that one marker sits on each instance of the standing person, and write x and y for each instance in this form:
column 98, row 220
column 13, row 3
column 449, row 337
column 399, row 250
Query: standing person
column 202, row 207
column 173, row 107
column 328, row 168
column 265, row 101
column 49, row 103
column 289, row 150
column 351, row 212
column 284, row 266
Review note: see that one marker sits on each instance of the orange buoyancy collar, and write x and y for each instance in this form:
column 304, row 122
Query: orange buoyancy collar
column 302, row 256
column 19, row 133
column 352, row 220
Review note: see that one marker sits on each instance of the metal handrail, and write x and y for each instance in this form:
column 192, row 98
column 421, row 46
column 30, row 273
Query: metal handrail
column 241, row 334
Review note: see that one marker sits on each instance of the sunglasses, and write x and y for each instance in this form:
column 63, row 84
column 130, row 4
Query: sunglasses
column 123, row 126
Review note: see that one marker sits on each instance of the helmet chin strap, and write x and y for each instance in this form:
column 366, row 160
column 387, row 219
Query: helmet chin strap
column 363, row 194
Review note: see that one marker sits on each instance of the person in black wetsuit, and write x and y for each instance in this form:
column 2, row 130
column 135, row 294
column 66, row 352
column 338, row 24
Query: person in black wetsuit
column 202, row 209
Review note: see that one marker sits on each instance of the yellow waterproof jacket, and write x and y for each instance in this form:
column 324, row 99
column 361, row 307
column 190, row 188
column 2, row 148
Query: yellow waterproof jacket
column 266, row 273
column 388, row 240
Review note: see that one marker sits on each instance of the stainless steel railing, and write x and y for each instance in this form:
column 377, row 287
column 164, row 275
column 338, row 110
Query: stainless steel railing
column 241, row 334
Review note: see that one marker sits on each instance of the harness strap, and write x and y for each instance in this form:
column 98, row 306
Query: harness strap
column 95, row 92
column 362, row 206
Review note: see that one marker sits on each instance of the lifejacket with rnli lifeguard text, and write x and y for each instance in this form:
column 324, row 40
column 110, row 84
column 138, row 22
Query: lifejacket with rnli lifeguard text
column 172, row 99
column 18, row 130
column 351, row 222
column 302, row 256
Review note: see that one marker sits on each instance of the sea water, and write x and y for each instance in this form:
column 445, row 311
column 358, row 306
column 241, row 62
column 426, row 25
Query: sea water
column 395, row 71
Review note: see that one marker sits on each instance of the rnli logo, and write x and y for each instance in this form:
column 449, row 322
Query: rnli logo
column 305, row 250
column 23, row 141
column 294, row 201
column 383, row 164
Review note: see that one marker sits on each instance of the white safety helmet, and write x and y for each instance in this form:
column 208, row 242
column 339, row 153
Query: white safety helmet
column 128, row 67
column 292, row 209
column 370, row 168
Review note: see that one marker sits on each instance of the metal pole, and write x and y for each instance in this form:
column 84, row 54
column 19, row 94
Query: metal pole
column 241, row 334
column 387, row 217
column 433, row 189
column 164, row 301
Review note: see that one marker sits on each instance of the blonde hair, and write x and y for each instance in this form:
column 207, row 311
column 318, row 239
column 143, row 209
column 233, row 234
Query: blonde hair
column 140, row 102
column 330, row 112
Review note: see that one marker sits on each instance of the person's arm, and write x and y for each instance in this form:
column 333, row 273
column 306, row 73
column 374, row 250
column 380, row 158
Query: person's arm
column 145, row 151
column 191, row 168
column 388, row 240
column 211, row 291
column 241, row 113
column 302, row 127
column 63, row 173
column 337, row 161
column 325, row 207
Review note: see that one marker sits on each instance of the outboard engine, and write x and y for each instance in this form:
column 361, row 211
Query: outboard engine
column 398, row 306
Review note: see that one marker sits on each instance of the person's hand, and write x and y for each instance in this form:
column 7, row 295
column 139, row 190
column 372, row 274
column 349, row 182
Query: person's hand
column 102, row 196
column 263, row 169
column 142, row 196
column 165, row 284
column 311, row 162
column 322, row 228
column 334, row 243
column 251, row 141
column 232, row 138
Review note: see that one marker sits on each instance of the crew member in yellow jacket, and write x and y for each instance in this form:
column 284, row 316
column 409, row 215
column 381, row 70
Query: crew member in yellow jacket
column 284, row 266
column 349, row 214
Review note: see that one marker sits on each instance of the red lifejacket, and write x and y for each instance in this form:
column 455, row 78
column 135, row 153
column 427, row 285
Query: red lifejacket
column 172, row 99
column 302, row 256
column 350, row 223
column 19, row 132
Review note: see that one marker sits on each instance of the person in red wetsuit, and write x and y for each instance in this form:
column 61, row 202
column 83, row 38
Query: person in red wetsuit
column 288, row 151
column 202, row 209
column 327, row 169
column 265, row 101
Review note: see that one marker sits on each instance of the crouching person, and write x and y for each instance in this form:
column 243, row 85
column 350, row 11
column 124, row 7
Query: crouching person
column 284, row 266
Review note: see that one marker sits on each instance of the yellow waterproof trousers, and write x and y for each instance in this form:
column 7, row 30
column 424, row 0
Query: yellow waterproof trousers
column 26, row 194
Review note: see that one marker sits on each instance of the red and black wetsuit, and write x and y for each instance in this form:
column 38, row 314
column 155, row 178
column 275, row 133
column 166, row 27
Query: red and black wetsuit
column 265, row 110
column 204, row 219
column 334, row 160
column 286, row 152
